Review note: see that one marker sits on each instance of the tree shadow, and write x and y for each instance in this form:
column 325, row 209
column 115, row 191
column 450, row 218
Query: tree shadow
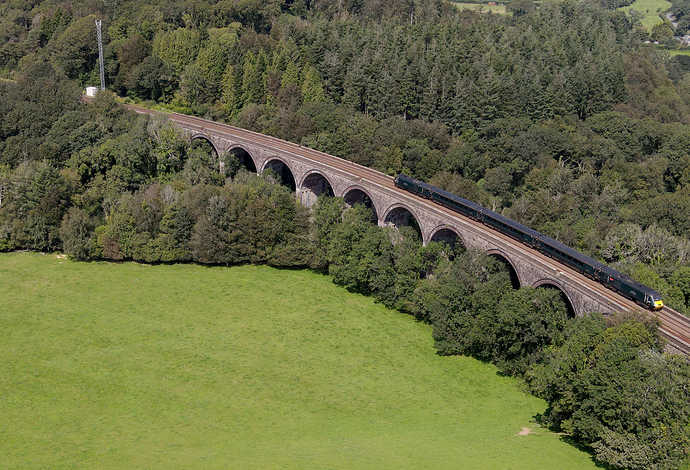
column 576, row 443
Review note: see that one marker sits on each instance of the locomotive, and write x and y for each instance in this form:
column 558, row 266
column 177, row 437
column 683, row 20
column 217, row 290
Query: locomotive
column 624, row 285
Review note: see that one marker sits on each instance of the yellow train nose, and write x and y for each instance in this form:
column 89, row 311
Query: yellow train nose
column 658, row 304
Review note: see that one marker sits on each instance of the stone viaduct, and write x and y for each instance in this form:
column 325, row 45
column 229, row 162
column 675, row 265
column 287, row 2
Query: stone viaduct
column 311, row 174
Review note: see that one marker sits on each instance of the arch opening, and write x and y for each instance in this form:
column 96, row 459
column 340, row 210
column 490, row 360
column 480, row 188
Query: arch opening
column 282, row 171
column 313, row 186
column 238, row 158
column 402, row 217
column 451, row 238
column 203, row 143
column 357, row 196
column 514, row 278
column 564, row 297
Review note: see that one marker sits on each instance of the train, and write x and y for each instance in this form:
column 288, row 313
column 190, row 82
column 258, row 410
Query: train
column 609, row 277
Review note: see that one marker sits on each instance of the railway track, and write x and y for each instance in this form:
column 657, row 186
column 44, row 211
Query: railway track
column 675, row 327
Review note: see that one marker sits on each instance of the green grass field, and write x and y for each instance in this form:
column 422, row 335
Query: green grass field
column 650, row 9
column 130, row 366
column 484, row 7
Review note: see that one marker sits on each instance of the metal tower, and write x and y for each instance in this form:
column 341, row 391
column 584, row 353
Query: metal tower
column 100, row 53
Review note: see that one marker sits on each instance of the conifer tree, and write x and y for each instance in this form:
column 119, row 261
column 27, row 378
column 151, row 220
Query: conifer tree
column 290, row 75
column 229, row 92
column 312, row 88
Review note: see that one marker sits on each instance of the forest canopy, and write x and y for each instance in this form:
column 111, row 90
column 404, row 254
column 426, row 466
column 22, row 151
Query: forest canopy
column 555, row 116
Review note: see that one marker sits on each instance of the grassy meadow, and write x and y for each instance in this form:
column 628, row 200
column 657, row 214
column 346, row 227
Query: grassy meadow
column 108, row 365
column 651, row 9
column 481, row 6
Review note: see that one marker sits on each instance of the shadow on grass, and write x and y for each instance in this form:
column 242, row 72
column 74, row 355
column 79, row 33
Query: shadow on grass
column 579, row 445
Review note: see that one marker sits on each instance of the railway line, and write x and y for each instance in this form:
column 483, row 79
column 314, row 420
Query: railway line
column 675, row 327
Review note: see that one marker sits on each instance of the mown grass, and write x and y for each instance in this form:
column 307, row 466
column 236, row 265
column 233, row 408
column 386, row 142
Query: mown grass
column 163, row 367
column 651, row 9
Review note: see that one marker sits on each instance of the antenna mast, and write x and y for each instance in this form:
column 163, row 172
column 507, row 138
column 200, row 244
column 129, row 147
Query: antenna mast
column 100, row 53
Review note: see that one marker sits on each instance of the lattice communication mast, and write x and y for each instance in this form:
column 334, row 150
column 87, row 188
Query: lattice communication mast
column 100, row 53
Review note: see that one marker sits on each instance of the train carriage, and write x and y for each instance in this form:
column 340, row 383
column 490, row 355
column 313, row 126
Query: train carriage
column 590, row 267
column 573, row 258
column 511, row 228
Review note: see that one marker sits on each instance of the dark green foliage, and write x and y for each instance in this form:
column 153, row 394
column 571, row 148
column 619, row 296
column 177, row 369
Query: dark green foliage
column 609, row 386
column 550, row 115
column 613, row 4
column 358, row 252
column 670, row 211
column 30, row 107
column 247, row 221
column 36, row 203
column 73, row 131
column 152, row 80
column 327, row 215
column 76, row 231
column 457, row 299
column 75, row 51
column 385, row 263
column 201, row 165
column 176, row 229
column 475, row 311
column 528, row 321
column 520, row 7
column 680, row 280
column 681, row 9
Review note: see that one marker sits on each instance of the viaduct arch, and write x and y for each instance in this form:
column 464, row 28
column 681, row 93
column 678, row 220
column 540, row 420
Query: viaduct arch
column 551, row 284
column 243, row 157
column 512, row 270
column 447, row 234
column 282, row 170
column 206, row 137
column 401, row 215
column 356, row 194
column 313, row 185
